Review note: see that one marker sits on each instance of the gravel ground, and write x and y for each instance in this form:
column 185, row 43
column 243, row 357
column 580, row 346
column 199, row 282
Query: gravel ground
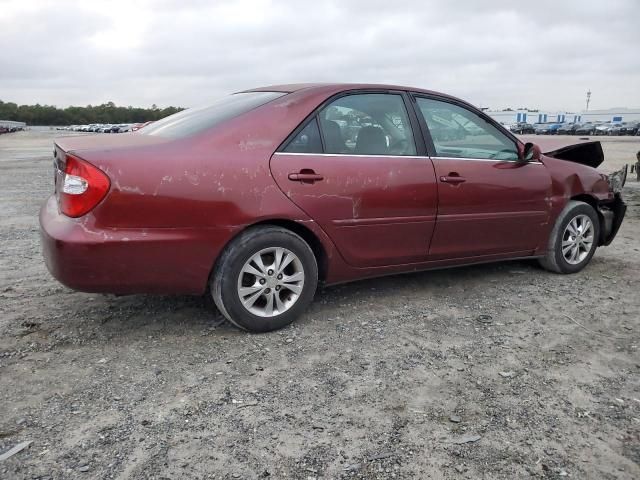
column 493, row 371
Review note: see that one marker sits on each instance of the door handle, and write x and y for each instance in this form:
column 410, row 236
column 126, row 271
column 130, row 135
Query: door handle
column 305, row 176
column 453, row 178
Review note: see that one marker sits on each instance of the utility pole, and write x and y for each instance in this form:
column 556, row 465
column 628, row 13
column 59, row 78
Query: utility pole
column 588, row 98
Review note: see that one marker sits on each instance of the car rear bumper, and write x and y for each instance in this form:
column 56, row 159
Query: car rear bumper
column 90, row 258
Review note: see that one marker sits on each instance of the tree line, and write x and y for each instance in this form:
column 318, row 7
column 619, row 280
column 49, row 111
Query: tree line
column 105, row 113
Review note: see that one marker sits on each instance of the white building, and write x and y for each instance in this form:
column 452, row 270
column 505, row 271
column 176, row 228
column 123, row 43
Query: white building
column 545, row 116
column 611, row 115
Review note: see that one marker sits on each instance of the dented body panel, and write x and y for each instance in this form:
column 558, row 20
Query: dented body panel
column 174, row 205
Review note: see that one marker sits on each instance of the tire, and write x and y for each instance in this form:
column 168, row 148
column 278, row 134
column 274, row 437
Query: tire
column 233, row 277
column 561, row 237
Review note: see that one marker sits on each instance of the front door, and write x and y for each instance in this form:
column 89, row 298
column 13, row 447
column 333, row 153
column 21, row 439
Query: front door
column 489, row 201
column 354, row 169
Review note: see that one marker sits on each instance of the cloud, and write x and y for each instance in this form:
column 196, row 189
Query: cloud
column 185, row 52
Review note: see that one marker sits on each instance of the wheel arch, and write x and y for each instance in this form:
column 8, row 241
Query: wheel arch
column 311, row 238
column 316, row 245
column 586, row 198
column 593, row 202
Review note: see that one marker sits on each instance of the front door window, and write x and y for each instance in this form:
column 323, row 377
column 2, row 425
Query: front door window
column 460, row 133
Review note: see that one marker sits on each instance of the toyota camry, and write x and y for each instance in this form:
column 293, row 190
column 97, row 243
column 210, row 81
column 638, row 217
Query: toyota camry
column 257, row 198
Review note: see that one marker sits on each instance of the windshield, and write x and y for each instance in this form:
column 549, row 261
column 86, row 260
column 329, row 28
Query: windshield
column 195, row 120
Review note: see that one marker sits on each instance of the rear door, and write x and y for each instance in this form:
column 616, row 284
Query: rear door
column 354, row 168
column 489, row 201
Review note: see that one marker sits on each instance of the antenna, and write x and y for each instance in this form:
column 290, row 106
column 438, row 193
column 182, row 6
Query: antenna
column 588, row 98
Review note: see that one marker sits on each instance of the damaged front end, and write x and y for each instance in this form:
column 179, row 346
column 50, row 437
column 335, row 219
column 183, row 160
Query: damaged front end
column 590, row 153
column 612, row 212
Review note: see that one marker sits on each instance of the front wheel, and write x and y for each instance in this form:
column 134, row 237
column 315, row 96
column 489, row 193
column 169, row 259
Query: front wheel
column 573, row 240
column 265, row 279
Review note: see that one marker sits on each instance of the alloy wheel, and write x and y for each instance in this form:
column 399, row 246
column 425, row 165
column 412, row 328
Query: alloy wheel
column 271, row 282
column 577, row 239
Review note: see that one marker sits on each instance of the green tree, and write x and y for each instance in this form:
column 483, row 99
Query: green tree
column 106, row 113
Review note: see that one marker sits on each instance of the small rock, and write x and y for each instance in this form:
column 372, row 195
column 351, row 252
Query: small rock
column 484, row 318
column 289, row 340
column 508, row 374
column 380, row 456
column 102, row 360
column 455, row 419
column 466, row 439
column 84, row 468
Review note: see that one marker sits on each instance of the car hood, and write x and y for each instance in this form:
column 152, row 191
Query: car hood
column 587, row 152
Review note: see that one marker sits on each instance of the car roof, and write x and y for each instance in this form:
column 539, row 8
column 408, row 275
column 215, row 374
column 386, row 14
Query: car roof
column 333, row 88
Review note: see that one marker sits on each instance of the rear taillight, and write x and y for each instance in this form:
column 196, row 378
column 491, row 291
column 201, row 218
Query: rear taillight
column 82, row 186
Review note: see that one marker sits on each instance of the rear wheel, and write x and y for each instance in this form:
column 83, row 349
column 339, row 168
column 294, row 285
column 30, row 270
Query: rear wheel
column 573, row 240
column 265, row 279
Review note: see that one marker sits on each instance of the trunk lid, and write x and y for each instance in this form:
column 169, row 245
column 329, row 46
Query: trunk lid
column 105, row 142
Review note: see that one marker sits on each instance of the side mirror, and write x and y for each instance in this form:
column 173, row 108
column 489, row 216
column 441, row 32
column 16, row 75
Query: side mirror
column 531, row 152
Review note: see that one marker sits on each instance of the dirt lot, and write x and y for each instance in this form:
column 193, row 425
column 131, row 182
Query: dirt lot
column 494, row 371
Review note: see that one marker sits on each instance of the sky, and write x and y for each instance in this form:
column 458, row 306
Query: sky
column 493, row 53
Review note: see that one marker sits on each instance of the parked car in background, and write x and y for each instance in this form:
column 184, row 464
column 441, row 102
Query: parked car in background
column 629, row 128
column 123, row 127
column 546, row 128
column 567, row 129
column 586, row 129
column 258, row 197
column 100, row 128
column 8, row 128
column 605, row 128
column 522, row 128
column 553, row 128
column 616, row 129
column 540, row 128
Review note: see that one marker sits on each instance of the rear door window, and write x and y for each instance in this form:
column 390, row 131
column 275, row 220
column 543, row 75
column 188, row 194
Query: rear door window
column 367, row 124
column 307, row 140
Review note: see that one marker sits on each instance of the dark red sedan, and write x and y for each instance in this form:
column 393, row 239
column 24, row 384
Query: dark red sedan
column 256, row 198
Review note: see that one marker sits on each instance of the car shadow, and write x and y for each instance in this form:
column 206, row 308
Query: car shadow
column 181, row 314
column 430, row 279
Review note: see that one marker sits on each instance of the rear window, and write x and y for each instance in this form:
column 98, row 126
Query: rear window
column 195, row 120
